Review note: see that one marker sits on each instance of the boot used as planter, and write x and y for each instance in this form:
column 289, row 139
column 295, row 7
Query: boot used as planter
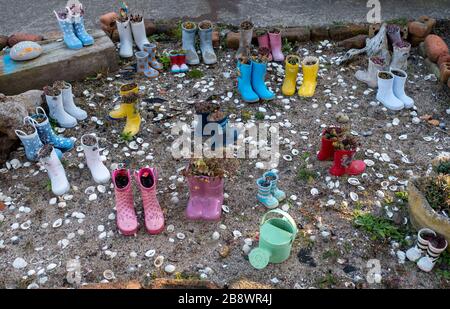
column 263, row 41
column 69, row 103
column 142, row 65
column 393, row 33
column 126, row 39
column 76, row 14
column 265, row 195
column 275, row 45
column 423, row 239
column 138, row 30
column 400, row 77
column 436, row 246
column 259, row 69
column 133, row 122
column 421, row 214
column 244, row 77
column 189, row 30
column 66, row 25
column 178, row 61
column 400, row 56
column 99, row 171
column 369, row 77
column 54, row 99
column 273, row 178
column 276, row 236
column 46, row 133
column 30, row 139
column 126, row 215
column 150, row 49
column 217, row 127
column 291, row 72
column 205, row 30
column 146, row 179
column 202, row 111
column 121, row 112
column 245, row 41
column 329, row 136
column 344, row 151
column 310, row 66
column 55, row 170
column 385, row 93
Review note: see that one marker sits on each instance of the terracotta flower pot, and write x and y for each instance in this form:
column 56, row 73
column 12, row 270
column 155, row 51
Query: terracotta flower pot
column 443, row 58
column 435, row 47
column 418, row 29
column 422, row 215
column 445, row 71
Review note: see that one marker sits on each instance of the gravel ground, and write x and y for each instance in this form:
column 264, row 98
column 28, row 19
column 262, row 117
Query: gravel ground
column 329, row 251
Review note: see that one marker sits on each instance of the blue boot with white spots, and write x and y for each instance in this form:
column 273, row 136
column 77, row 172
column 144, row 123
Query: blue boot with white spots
column 81, row 32
column 32, row 142
column 46, row 133
column 68, row 30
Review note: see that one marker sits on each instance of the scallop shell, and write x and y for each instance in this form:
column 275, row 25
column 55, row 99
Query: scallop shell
column 108, row 274
column 353, row 181
column 369, row 162
column 385, row 184
column 354, row 196
column 393, row 188
column 287, row 158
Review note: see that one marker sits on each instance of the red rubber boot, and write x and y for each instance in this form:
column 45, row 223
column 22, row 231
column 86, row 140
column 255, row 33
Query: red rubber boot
column 326, row 152
column 343, row 164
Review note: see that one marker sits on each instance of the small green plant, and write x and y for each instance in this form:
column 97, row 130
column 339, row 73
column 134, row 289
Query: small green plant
column 443, row 167
column 177, row 32
column 378, row 228
column 195, row 73
column 328, row 281
column 398, row 21
column 126, row 137
column 331, row 254
column 48, row 186
column 246, row 116
column 165, row 61
column 287, row 46
column 53, row 123
column 158, row 37
column 402, row 195
column 306, row 175
column 437, row 191
column 259, row 116
column 338, row 23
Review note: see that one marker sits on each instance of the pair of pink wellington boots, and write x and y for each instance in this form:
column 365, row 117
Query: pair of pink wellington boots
column 205, row 198
column 146, row 179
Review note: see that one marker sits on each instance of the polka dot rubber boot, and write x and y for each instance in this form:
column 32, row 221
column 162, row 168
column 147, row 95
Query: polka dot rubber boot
column 81, row 32
column 71, row 40
column 31, row 142
column 46, row 133
column 126, row 215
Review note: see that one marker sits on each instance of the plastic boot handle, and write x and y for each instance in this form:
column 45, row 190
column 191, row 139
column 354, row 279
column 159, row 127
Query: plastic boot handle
column 286, row 216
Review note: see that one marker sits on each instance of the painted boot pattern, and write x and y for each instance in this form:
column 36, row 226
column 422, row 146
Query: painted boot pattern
column 435, row 247
column 423, row 239
column 150, row 49
column 65, row 23
column 264, row 195
column 276, row 192
column 126, row 215
column 143, row 67
column 31, row 142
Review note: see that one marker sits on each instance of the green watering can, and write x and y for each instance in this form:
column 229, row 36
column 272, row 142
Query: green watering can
column 276, row 236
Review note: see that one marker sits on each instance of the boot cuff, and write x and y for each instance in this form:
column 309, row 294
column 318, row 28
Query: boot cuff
column 310, row 59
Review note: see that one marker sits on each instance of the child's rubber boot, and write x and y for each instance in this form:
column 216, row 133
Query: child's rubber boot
column 258, row 81
column 310, row 66
column 264, row 195
column 99, row 171
column 55, row 170
column 244, row 77
column 121, row 112
column 290, row 79
column 276, row 192
column 344, row 164
column 126, row 215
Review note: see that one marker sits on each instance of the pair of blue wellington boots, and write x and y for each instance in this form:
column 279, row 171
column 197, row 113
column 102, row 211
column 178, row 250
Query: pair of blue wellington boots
column 43, row 134
column 268, row 192
column 251, row 82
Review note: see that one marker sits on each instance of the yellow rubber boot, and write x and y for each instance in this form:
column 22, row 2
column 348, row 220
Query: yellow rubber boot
column 124, row 90
column 133, row 123
column 291, row 71
column 310, row 66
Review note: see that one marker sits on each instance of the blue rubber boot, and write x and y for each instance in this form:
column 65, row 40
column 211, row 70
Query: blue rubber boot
column 46, row 133
column 208, row 55
column 188, row 39
column 32, row 142
column 276, row 192
column 66, row 26
column 264, row 195
column 81, row 32
column 258, row 84
column 225, row 130
column 244, row 83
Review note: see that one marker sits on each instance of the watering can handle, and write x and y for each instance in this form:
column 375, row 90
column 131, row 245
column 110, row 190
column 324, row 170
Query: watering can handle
column 285, row 215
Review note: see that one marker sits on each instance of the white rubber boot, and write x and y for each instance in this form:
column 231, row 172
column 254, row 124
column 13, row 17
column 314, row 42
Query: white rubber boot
column 435, row 248
column 400, row 56
column 139, row 34
column 126, row 40
column 423, row 237
column 57, row 112
column 370, row 76
column 99, row 171
column 69, row 104
column 400, row 77
column 385, row 92
column 49, row 159
column 188, row 39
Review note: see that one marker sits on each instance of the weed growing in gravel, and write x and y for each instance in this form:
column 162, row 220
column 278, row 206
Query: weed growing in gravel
column 246, row 116
column 378, row 228
column 126, row 137
column 328, row 281
column 165, row 61
column 259, row 116
column 287, row 46
column 402, row 195
column 304, row 173
column 331, row 254
column 195, row 73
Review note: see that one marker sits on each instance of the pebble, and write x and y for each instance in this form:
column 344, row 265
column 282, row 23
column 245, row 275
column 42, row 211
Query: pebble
column 181, row 236
column 57, row 223
column 216, row 235
column 52, row 201
column 51, row 266
column 169, row 269
column 246, row 249
column 150, row 253
column 314, row 192
column 92, row 197
column 19, row 263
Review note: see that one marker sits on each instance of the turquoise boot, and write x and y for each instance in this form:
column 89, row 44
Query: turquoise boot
column 258, row 84
column 264, row 195
column 66, row 26
column 81, row 32
column 244, row 83
column 272, row 177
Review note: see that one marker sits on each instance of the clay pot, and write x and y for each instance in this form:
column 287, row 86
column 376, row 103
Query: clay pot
column 20, row 37
column 435, row 47
column 418, row 29
column 422, row 215
column 430, row 22
column 109, row 19
column 443, row 58
column 445, row 71
column 358, row 42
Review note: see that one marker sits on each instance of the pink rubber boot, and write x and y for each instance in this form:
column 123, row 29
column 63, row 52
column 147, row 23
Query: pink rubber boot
column 126, row 216
column 146, row 179
column 197, row 190
column 263, row 41
column 275, row 44
column 212, row 206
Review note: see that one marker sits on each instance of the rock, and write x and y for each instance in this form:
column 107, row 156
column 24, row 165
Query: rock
column 232, row 40
column 3, row 41
column 19, row 263
column 433, row 68
column 12, row 111
column 434, row 122
column 320, row 33
column 342, row 118
column 224, row 251
column 418, row 29
column 20, row 37
column 169, row 269
column 435, row 47
column 109, row 19
column 428, row 21
column 445, row 72
column 215, row 39
column 358, row 42
column 339, row 33
column 443, row 58
column 422, row 51
column 25, row 50
column 296, row 34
